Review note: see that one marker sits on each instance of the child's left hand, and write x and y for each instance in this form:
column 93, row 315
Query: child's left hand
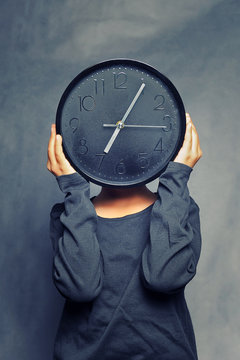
column 57, row 163
column 190, row 151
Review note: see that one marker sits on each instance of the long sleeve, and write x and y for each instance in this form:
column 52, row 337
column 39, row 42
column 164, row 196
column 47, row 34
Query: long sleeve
column 170, row 258
column 77, row 260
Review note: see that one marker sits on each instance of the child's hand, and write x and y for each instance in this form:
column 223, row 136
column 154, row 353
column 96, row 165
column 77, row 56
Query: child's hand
column 190, row 151
column 57, row 163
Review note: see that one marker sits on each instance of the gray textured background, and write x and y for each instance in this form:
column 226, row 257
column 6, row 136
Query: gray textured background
column 44, row 44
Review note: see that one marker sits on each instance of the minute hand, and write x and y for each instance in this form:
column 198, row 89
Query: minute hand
column 135, row 126
column 118, row 128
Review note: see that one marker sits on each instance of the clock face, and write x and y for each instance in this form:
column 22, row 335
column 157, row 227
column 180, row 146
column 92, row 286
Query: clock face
column 121, row 122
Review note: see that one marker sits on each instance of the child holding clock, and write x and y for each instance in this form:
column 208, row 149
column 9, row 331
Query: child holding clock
column 122, row 260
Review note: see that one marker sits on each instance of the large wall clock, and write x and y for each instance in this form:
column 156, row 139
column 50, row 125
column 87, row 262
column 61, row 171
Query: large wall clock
column 121, row 122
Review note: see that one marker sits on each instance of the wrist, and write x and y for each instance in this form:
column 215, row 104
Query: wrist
column 70, row 181
column 62, row 173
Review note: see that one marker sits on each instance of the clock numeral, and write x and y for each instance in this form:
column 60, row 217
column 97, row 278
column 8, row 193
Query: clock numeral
column 87, row 103
column 120, row 80
column 101, row 159
column 83, row 149
column 73, row 123
column 160, row 101
column 142, row 161
column 167, row 121
column 99, row 86
column 159, row 146
column 120, row 168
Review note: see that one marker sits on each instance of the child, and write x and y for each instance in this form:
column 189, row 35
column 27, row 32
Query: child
column 122, row 260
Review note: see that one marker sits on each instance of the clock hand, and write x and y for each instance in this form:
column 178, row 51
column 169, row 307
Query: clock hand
column 142, row 126
column 132, row 103
column 110, row 142
column 120, row 123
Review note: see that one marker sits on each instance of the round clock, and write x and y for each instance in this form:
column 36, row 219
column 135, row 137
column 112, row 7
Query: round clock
column 121, row 122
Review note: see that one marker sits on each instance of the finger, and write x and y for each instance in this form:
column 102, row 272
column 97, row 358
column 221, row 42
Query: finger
column 188, row 118
column 51, row 145
column 49, row 166
column 188, row 136
column 195, row 139
column 193, row 130
column 193, row 126
column 58, row 149
column 196, row 144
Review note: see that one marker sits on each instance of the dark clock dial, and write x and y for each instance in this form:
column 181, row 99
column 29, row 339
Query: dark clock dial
column 137, row 104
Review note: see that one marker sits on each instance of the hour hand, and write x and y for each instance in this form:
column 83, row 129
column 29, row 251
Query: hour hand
column 111, row 140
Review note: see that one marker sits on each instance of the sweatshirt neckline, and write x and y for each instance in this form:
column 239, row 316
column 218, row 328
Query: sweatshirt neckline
column 126, row 217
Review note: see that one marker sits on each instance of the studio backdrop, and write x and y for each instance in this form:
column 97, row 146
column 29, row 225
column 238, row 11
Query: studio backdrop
column 44, row 45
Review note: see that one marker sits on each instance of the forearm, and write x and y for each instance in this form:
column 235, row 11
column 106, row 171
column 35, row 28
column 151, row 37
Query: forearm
column 170, row 258
column 77, row 261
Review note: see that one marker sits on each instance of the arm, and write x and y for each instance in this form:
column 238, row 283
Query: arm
column 77, row 260
column 169, row 260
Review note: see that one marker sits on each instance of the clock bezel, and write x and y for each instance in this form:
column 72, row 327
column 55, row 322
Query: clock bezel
column 117, row 62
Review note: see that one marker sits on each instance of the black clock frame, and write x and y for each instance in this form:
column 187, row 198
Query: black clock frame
column 122, row 61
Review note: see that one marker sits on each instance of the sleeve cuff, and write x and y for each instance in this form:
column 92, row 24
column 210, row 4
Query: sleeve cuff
column 177, row 166
column 176, row 175
column 71, row 180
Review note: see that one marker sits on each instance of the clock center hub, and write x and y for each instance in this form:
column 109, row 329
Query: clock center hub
column 120, row 125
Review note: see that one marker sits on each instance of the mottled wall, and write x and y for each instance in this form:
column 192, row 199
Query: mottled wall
column 44, row 44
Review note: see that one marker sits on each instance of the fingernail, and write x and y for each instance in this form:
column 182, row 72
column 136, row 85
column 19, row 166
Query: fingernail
column 58, row 137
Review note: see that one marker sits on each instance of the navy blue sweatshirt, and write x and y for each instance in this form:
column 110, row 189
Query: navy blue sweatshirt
column 123, row 279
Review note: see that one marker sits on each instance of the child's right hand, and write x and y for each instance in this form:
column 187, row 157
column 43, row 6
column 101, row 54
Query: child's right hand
column 57, row 163
column 190, row 151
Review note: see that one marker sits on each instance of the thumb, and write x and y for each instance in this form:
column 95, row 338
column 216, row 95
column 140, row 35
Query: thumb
column 58, row 147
